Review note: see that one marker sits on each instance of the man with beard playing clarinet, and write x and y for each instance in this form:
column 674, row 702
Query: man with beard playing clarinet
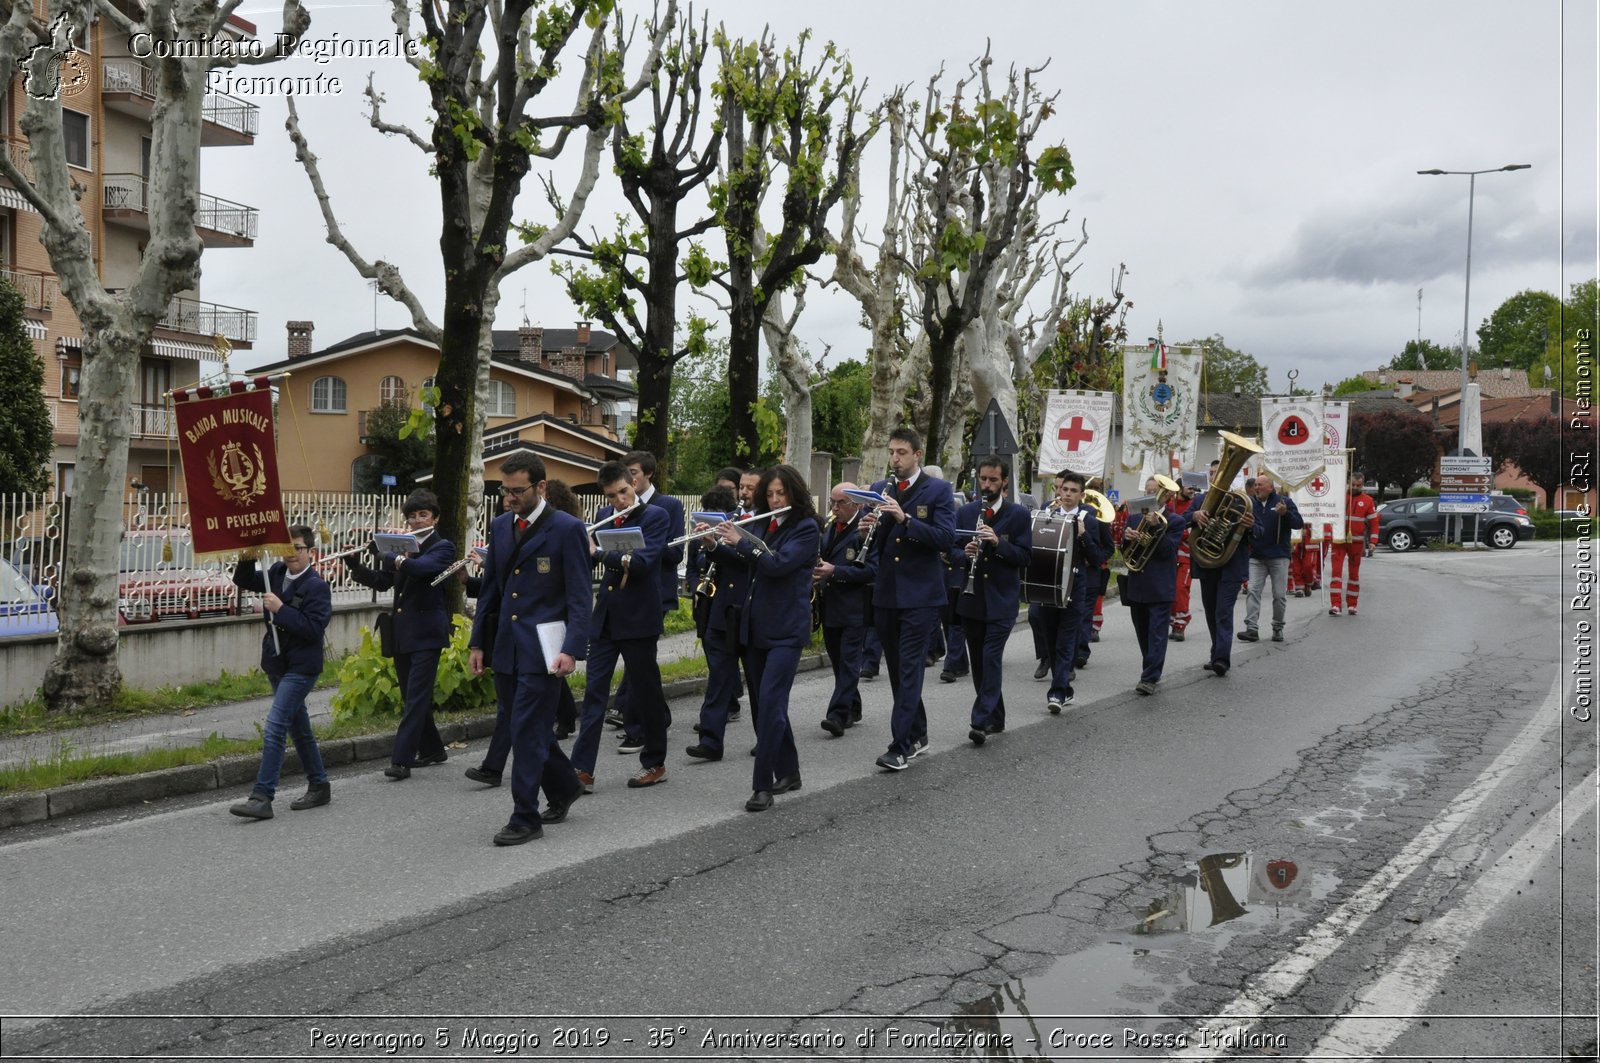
column 991, row 562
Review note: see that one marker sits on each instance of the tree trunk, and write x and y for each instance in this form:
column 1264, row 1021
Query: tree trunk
column 794, row 379
column 744, row 364
column 455, row 453
column 85, row 673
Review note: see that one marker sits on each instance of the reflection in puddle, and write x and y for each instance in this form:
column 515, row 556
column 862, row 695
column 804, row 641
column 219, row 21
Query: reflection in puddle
column 1106, row 999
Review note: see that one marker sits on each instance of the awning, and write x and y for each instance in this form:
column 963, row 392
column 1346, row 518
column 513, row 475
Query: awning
column 10, row 197
column 36, row 329
column 179, row 349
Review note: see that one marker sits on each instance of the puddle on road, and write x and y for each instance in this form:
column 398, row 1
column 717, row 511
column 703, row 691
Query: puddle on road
column 1120, row 984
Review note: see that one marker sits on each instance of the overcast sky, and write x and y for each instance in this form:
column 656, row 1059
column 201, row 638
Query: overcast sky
column 1253, row 164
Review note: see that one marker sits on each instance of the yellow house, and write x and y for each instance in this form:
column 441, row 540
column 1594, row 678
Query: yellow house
column 553, row 392
column 107, row 133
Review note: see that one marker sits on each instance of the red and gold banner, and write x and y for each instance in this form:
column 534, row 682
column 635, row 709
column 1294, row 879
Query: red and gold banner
column 230, row 467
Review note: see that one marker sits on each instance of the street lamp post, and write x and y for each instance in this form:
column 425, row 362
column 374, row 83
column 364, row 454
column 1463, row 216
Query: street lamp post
column 1466, row 303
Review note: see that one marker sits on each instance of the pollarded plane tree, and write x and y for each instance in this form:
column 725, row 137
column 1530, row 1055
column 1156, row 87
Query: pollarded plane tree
column 116, row 325
column 485, row 65
column 639, row 262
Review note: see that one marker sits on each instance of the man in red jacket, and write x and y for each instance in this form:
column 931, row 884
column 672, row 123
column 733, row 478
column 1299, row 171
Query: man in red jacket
column 1361, row 525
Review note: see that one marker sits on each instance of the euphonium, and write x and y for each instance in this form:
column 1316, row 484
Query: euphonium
column 1104, row 511
column 1212, row 545
column 1139, row 545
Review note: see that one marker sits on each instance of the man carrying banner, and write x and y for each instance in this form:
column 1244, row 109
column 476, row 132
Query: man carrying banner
column 1361, row 522
column 1276, row 517
column 298, row 606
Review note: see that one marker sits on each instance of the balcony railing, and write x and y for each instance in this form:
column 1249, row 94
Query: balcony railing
column 127, row 191
column 207, row 319
column 17, row 151
column 146, row 420
column 39, row 290
column 137, row 79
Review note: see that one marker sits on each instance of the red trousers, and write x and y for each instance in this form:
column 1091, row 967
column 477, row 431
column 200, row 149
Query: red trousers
column 1180, row 602
column 1352, row 589
column 1305, row 566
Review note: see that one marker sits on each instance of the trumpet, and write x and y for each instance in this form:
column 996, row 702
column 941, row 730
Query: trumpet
column 597, row 525
column 1140, row 545
column 736, row 523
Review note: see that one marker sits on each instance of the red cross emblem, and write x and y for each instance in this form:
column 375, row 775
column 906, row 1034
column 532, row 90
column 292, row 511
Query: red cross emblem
column 1318, row 486
column 1074, row 434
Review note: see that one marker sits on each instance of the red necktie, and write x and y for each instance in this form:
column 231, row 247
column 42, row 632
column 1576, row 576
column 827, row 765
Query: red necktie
column 618, row 522
column 988, row 514
column 522, row 525
column 838, row 526
column 772, row 525
column 904, row 484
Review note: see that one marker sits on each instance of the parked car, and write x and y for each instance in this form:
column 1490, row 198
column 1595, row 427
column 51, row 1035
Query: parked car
column 1407, row 523
column 152, row 588
column 29, row 555
column 25, row 609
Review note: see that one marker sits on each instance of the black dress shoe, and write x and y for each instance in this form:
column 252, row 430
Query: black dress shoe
column 563, row 731
column 700, row 752
column 787, row 783
column 1248, row 636
column 869, row 674
column 557, row 810
column 256, row 806
column 947, row 676
column 425, row 759
column 855, row 718
column 993, row 728
column 1081, row 662
column 483, row 775
column 759, row 801
column 833, row 727
column 1094, row 636
column 516, row 834
column 977, row 736
column 315, row 797
column 397, row 771
column 1219, row 668
column 1042, row 671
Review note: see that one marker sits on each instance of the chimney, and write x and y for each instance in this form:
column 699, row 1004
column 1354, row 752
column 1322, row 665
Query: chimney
column 1406, row 387
column 570, row 362
column 1505, row 369
column 1383, row 379
column 299, row 339
column 583, row 334
column 530, row 344
column 1237, row 391
column 1555, row 404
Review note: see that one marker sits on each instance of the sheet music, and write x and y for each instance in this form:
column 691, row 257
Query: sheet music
column 551, row 636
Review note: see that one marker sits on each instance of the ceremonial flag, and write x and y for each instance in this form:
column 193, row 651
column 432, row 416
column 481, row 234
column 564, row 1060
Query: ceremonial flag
column 1159, row 406
column 1076, row 433
column 1335, row 425
column 1158, row 355
column 230, row 468
column 1291, row 433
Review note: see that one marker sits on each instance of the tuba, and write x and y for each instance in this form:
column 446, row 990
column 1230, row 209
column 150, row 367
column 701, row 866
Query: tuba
column 1213, row 545
column 1139, row 546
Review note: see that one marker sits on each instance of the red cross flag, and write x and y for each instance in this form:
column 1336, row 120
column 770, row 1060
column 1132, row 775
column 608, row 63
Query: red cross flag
column 1076, row 432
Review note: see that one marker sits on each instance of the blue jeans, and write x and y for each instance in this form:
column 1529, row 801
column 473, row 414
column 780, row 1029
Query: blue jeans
column 288, row 717
column 1261, row 568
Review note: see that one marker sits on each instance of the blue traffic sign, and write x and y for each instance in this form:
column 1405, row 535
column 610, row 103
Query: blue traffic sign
column 1464, row 500
column 390, row 480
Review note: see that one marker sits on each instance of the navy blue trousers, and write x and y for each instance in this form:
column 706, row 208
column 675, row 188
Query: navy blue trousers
column 846, row 648
column 771, row 674
column 986, row 645
column 722, row 688
column 639, row 656
column 416, row 734
column 1219, row 596
column 531, row 700
column 906, row 635
column 1151, row 622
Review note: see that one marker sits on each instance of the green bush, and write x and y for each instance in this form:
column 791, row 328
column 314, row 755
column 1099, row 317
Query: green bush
column 1525, row 495
column 1549, row 526
column 1422, row 491
column 368, row 687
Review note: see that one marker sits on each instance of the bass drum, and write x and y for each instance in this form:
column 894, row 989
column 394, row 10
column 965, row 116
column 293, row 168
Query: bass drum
column 1048, row 579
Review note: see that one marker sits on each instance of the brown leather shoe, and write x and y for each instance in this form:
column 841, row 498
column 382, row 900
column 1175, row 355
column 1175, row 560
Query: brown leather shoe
column 587, row 780
column 648, row 776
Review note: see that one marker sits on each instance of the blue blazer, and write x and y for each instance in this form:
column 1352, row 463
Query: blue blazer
column 1158, row 582
column 778, row 609
column 909, row 555
column 1238, row 567
column 998, row 587
column 1273, row 536
column 634, row 610
column 420, row 619
column 673, row 556
column 847, row 595
column 301, row 622
column 733, row 585
column 544, row 578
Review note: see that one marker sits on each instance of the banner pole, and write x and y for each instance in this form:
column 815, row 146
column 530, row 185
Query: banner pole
column 277, row 647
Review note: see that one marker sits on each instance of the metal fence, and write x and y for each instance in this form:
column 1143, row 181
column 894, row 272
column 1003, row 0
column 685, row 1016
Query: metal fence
column 159, row 577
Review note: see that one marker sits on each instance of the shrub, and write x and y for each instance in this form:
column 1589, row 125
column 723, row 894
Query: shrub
column 1422, row 491
column 1525, row 495
column 368, row 687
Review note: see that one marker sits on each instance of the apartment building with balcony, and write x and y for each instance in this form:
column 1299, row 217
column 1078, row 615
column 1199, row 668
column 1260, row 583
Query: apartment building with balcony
column 108, row 136
column 559, row 393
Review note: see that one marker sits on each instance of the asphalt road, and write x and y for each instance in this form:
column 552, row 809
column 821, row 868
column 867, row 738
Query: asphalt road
column 1355, row 823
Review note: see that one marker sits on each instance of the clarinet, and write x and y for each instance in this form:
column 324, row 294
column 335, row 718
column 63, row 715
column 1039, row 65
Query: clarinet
column 972, row 565
column 872, row 532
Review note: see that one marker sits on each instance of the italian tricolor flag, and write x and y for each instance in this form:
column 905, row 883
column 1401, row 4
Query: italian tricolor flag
column 1158, row 355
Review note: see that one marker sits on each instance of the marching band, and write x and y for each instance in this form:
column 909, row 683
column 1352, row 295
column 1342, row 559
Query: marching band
column 768, row 571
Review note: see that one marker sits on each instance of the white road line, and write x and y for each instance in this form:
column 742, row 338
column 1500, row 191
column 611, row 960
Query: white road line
column 1262, row 994
column 1412, row 980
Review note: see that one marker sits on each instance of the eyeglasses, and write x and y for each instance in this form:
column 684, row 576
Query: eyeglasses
column 515, row 492
column 301, row 549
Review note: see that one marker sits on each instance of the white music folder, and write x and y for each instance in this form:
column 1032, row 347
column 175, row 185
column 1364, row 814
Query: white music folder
column 551, row 635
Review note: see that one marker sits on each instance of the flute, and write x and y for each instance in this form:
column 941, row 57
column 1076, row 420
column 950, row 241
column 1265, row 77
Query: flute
column 736, row 523
column 452, row 570
column 342, row 553
column 597, row 525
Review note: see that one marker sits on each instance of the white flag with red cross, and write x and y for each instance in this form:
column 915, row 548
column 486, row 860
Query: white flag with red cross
column 1076, row 433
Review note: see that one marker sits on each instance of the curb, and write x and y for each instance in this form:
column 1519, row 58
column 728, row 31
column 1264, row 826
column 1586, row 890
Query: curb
column 37, row 806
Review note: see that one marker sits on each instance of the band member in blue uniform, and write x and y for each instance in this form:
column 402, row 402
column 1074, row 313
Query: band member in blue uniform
column 626, row 623
column 1089, row 623
column 535, row 573
column 845, row 590
column 718, row 587
column 991, row 565
column 421, row 630
column 776, row 627
column 1065, row 627
column 1148, row 594
column 298, row 604
column 907, row 553
column 642, row 470
column 1219, row 588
